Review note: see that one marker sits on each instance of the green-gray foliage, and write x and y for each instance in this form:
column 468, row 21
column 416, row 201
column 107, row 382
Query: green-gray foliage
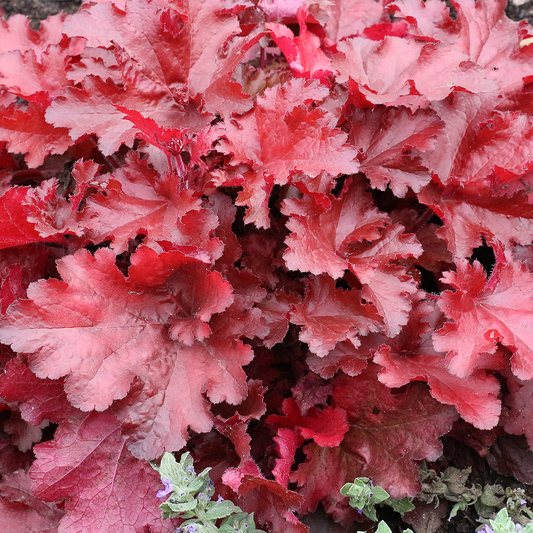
column 190, row 497
column 365, row 496
column 452, row 485
column 500, row 510
column 503, row 524
column 384, row 528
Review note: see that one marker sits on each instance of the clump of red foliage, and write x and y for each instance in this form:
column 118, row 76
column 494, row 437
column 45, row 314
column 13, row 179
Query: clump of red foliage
column 249, row 228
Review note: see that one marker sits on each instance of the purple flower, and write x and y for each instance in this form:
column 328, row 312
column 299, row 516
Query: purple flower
column 220, row 499
column 518, row 527
column 191, row 528
column 167, row 490
column 523, row 502
column 487, row 529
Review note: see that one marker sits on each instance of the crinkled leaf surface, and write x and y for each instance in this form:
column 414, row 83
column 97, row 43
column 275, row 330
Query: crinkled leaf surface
column 40, row 399
column 284, row 135
column 319, row 242
column 388, row 434
column 136, row 199
column 19, row 506
column 21, row 208
column 272, row 503
column 104, row 487
column 124, row 330
column 484, row 312
column 420, row 72
column 391, row 140
column 330, row 315
column 27, row 132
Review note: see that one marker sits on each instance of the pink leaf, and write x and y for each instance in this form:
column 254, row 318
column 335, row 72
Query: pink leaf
column 275, row 139
column 104, row 487
column 330, row 315
column 121, row 328
column 18, row 505
column 388, row 434
column 483, row 313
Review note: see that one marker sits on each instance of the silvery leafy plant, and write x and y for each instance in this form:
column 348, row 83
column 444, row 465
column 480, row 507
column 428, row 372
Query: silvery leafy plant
column 364, row 497
column 190, row 497
column 503, row 524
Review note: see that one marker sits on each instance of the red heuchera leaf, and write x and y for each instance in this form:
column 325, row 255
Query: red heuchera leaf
column 136, row 200
column 303, row 53
column 175, row 143
column 485, row 312
column 390, row 141
column 38, row 80
column 287, row 442
column 84, row 172
column 19, row 266
column 277, row 10
column 17, row 206
column 325, row 426
column 518, row 404
column 481, row 30
column 137, row 31
column 319, row 243
column 23, row 435
column 422, row 71
column 167, row 56
column 510, row 456
column 388, row 433
column 145, row 348
column 272, row 504
column 275, row 138
column 93, row 110
column 40, row 399
column 411, row 357
column 235, row 427
column 345, row 19
column 11, row 287
column 345, row 356
column 386, row 284
column 330, row 315
column 27, row 132
column 467, row 218
column 19, row 507
column 276, row 309
column 104, row 487
column 311, row 392
column 352, row 222
column 16, row 34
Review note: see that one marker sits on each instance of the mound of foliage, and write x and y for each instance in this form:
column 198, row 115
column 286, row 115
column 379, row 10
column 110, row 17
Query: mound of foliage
column 249, row 229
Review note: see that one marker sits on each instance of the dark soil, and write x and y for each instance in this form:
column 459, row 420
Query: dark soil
column 37, row 10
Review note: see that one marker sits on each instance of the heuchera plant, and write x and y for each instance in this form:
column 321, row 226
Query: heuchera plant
column 249, row 230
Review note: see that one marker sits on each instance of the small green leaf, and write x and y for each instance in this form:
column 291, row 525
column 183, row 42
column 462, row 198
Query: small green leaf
column 383, row 528
column 216, row 510
column 401, row 506
column 378, row 495
column 179, row 507
column 239, row 523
